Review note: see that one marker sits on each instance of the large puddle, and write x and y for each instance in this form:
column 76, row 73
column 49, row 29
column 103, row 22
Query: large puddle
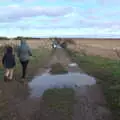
column 46, row 81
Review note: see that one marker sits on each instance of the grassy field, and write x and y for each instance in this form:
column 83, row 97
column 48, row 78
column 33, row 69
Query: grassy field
column 40, row 48
column 38, row 59
column 108, row 74
column 57, row 104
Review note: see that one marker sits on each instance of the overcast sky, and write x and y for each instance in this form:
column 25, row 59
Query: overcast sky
column 94, row 18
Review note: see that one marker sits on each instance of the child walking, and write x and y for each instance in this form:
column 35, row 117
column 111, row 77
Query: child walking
column 9, row 63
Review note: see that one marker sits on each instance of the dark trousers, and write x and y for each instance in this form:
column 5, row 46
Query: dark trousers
column 24, row 67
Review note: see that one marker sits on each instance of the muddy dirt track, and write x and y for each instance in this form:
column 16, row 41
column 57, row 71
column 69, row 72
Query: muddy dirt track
column 90, row 104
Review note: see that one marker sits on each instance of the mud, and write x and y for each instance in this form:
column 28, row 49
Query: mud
column 23, row 100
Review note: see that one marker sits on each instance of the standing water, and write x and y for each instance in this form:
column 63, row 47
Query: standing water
column 40, row 83
column 74, row 77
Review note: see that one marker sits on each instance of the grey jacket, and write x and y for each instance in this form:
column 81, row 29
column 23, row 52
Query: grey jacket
column 24, row 51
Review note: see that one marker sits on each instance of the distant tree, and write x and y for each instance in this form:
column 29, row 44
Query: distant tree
column 19, row 37
column 51, row 39
column 4, row 38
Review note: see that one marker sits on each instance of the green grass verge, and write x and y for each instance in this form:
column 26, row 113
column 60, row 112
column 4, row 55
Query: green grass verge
column 57, row 104
column 108, row 73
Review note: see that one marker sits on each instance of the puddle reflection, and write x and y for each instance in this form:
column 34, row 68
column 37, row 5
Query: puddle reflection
column 46, row 81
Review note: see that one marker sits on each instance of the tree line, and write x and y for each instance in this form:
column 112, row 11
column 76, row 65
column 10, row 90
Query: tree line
column 17, row 38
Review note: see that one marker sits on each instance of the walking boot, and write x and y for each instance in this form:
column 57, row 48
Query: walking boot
column 5, row 78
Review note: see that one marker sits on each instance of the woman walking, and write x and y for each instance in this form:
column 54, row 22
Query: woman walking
column 24, row 53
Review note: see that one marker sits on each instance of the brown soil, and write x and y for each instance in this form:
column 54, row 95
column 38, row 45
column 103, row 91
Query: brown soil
column 100, row 47
column 90, row 103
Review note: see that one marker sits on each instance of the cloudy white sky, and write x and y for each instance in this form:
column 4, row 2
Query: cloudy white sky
column 81, row 18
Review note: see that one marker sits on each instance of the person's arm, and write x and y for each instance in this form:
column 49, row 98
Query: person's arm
column 14, row 61
column 18, row 52
column 3, row 59
column 30, row 52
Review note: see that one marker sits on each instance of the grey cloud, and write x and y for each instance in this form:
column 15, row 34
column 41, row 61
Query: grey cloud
column 100, row 24
column 78, row 24
column 14, row 13
column 67, row 22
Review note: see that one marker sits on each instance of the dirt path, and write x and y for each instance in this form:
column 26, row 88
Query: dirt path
column 90, row 104
column 62, row 57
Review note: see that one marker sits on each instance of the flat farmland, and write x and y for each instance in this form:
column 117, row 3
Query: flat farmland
column 100, row 47
column 33, row 43
column 103, row 43
column 46, row 43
